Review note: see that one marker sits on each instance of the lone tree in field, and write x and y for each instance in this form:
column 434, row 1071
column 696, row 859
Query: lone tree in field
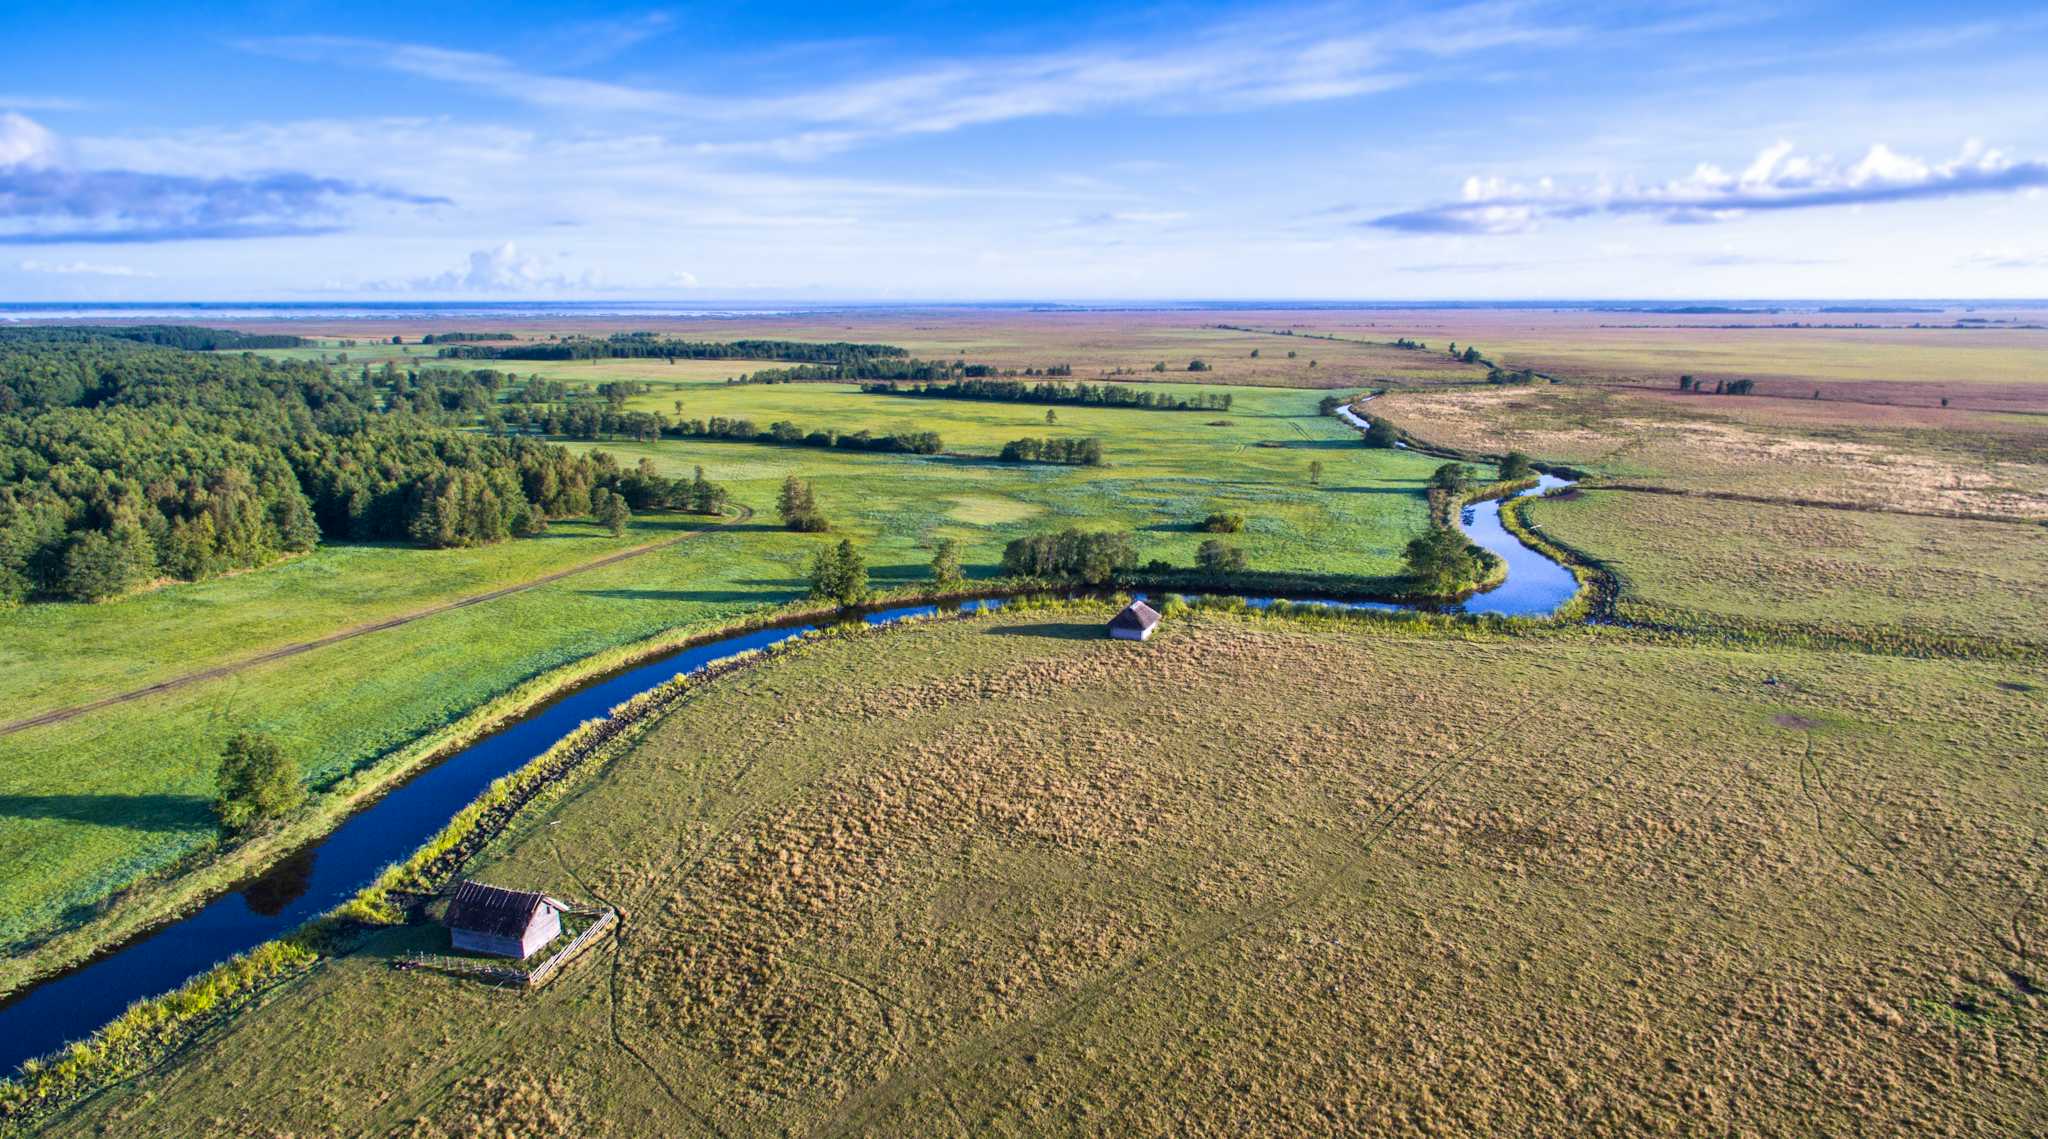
column 257, row 783
column 798, row 505
column 1441, row 562
column 1516, row 465
column 610, row 510
column 946, row 565
column 1315, row 472
column 839, row 574
column 1052, row 415
column 1218, row 559
column 1451, row 477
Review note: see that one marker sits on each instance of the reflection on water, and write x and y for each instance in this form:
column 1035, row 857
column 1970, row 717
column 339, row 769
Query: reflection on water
column 281, row 885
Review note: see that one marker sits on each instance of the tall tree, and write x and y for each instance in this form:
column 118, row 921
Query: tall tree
column 946, row 572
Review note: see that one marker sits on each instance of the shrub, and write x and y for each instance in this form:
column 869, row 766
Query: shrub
column 1216, row 558
column 258, row 782
column 1222, row 523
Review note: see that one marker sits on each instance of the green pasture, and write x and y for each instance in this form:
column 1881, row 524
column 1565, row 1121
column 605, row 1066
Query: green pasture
column 90, row 805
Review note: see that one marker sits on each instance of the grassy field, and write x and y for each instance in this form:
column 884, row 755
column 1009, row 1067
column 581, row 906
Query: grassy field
column 91, row 805
column 1093, row 343
column 1912, row 459
column 1008, row 876
column 1846, row 572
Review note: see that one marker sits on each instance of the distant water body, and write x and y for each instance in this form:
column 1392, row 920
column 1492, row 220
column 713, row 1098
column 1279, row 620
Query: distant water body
column 202, row 311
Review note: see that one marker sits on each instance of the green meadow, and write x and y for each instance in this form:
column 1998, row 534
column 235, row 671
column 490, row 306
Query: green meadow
column 92, row 805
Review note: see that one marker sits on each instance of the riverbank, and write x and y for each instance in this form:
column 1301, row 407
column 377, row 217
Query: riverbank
column 1320, row 862
column 365, row 906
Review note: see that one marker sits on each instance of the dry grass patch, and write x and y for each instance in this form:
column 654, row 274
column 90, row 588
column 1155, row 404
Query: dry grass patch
column 1005, row 875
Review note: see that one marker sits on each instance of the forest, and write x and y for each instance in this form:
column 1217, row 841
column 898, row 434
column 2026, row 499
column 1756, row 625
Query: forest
column 125, row 461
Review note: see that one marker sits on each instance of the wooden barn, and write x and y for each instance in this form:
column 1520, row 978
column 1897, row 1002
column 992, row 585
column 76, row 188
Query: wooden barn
column 501, row 922
column 1135, row 623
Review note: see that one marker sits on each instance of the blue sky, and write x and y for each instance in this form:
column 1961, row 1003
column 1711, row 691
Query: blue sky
column 943, row 151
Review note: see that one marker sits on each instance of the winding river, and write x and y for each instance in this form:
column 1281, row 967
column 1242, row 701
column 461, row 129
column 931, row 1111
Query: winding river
column 70, row 1005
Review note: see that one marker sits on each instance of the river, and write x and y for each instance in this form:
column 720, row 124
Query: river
column 68, row 1006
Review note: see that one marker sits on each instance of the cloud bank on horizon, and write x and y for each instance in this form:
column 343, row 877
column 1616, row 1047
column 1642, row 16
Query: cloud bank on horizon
column 1611, row 149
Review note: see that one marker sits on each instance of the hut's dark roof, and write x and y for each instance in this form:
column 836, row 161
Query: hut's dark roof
column 1136, row 615
column 494, row 910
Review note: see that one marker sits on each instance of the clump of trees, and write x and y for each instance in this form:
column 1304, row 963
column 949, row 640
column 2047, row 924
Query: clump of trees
column 1071, row 452
column 798, row 506
column 840, row 574
column 1442, row 562
column 1515, row 465
column 1721, row 387
column 1090, row 557
column 1223, row 522
column 1095, row 395
column 257, row 783
column 1378, row 433
column 705, row 496
column 610, row 510
column 788, row 434
column 1218, row 559
column 1451, row 478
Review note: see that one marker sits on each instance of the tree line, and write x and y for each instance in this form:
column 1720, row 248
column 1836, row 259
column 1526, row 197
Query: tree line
column 1095, row 395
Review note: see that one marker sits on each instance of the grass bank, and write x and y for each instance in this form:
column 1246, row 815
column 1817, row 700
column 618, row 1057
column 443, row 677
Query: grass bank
column 1006, row 874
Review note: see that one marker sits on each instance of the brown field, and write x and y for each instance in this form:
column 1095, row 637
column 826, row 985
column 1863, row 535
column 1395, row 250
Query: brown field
column 1005, row 876
column 1854, row 574
column 1954, row 462
column 1093, row 342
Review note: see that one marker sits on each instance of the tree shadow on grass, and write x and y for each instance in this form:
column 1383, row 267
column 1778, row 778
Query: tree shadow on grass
column 132, row 812
column 1054, row 630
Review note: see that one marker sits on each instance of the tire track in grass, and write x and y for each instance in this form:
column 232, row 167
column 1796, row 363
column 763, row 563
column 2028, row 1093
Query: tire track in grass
column 859, row 1115
column 298, row 648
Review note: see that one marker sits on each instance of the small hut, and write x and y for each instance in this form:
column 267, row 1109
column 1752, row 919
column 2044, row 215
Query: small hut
column 501, row 922
column 1135, row 623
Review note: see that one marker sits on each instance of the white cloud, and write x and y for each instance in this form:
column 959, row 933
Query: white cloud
column 25, row 142
column 45, row 201
column 504, row 270
column 1775, row 180
column 82, row 268
column 1274, row 58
